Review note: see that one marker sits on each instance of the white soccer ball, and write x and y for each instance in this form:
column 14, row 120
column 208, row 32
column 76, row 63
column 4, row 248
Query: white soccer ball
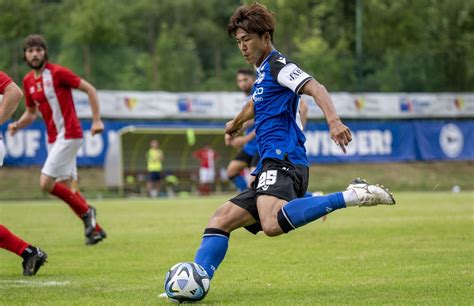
column 186, row 282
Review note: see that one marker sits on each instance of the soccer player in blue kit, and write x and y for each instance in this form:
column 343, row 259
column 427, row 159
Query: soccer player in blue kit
column 244, row 159
column 273, row 204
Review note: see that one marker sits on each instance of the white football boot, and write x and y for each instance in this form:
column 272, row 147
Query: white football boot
column 371, row 195
column 165, row 297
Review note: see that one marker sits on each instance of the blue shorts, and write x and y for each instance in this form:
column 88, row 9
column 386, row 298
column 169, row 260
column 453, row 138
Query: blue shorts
column 154, row 176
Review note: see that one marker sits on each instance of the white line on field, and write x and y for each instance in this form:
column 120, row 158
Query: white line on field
column 32, row 283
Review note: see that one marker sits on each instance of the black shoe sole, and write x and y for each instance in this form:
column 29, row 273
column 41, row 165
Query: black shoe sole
column 94, row 240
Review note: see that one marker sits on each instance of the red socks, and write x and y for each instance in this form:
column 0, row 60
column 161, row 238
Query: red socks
column 75, row 200
column 64, row 193
column 11, row 242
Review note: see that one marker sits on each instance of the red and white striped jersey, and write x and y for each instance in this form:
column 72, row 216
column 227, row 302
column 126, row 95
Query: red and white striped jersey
column 206, row 157
column 52, row 94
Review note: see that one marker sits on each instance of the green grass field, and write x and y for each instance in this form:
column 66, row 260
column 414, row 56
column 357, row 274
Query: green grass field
column 420, row 251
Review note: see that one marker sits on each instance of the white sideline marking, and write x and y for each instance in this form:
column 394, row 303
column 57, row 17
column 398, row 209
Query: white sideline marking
column 28, row 283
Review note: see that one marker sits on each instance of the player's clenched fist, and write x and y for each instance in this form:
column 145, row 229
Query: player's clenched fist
column 97, row 127
column 340, row 133
column 13, row 128
column 231, row 128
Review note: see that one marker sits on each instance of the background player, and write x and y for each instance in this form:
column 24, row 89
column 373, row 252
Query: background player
column 48, row 88
column 272, row 204
column 33, row 257
column 207, row 168
column 154, row 159
column 245, row 79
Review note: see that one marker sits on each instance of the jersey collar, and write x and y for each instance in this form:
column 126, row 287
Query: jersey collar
column 260, row 68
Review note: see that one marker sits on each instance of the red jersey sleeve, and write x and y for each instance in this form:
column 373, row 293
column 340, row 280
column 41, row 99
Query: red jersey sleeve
column 67, row 77
column 4, row 81
column 26, row 91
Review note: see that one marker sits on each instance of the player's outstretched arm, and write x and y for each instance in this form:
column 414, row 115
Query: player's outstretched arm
column 235, row 125
column 303, row 112
column 26, row 119
column 11, row 98
column 339, row 132
column 97, row 125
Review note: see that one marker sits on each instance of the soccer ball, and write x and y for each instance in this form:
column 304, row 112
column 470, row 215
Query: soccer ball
column 186, row 282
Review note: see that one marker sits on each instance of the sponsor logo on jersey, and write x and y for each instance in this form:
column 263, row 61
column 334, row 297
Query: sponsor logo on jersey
column 282, row 60
column 258, row 91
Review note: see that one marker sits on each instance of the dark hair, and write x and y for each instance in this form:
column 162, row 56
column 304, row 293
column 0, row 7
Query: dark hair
column 35, row 40
column 246, row 71
column 253, row 18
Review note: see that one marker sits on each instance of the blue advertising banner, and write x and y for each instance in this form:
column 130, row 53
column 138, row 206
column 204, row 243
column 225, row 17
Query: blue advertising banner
column 373, row 141
column 28, row 146
column 392, row 141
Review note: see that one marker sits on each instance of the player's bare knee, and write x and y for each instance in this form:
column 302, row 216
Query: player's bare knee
column 231, row 171
column 46, row 183
column 229, row 217
column 271, row 228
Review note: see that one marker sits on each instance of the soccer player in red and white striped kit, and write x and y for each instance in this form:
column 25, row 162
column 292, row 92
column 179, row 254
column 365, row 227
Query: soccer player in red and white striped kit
column 33, row 257
column 48, row 88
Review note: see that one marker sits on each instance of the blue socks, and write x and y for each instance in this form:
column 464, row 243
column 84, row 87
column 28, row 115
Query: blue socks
column 294, row 214
column 212, row 250
column 239, row 182
column 299, row 212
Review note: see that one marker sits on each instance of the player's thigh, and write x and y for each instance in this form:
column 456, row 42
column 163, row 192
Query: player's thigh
column 235, row 166
column 61, row 160
column 268, row 207
column 229, row 217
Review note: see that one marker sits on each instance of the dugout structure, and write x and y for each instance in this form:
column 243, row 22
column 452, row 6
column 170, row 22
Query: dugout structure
column 177, row 144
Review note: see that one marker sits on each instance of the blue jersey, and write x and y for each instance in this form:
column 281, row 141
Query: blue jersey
column 276, row 107
column 250, row 147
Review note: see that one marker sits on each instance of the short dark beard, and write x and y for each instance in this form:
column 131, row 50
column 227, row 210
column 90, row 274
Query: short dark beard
column 36, row 67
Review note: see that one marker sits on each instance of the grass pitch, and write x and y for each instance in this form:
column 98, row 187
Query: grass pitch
column 420, row 251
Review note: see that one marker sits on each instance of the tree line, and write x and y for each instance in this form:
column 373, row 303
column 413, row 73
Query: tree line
column 182, row 45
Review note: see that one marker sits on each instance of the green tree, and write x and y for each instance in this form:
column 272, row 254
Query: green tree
column 179, row 68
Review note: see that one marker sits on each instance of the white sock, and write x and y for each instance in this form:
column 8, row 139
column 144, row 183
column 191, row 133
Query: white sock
column 350, row 197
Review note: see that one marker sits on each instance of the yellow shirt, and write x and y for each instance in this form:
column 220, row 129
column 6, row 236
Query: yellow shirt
column 153, row 159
